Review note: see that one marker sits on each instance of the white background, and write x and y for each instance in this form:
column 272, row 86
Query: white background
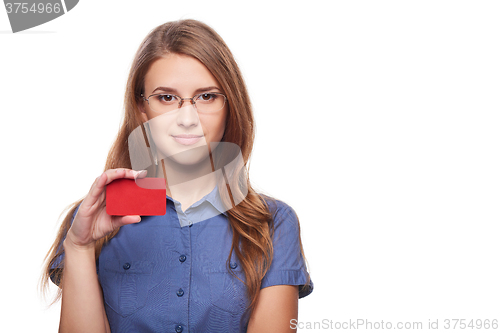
column 377, row 121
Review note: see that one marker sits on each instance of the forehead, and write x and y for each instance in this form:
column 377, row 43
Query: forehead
column 181, row 72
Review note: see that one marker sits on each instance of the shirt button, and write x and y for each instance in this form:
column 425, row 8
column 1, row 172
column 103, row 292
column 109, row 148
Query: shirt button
column 180, row 292
column 233, row 265
column 126, row 266
column 182, row 258
column 178, row 328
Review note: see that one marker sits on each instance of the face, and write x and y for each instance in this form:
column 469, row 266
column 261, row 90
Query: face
column 185, row 77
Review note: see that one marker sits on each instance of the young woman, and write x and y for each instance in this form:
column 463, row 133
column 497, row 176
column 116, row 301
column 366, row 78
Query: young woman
column 223, row 258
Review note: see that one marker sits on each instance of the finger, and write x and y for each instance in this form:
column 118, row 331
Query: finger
column 96, row 190
column 141, row 174
column 113, row 174
column 119, row 221
column 101, row 200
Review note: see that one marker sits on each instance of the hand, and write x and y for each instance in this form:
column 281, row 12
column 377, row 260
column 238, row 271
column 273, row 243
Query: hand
column 91, row 221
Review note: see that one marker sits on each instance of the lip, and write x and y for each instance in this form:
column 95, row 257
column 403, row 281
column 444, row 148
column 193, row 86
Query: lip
column 187, row 139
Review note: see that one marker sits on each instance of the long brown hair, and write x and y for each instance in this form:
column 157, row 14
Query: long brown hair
column 251, row 219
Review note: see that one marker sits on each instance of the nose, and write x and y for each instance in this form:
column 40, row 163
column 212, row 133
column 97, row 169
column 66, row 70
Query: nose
column 187, row 115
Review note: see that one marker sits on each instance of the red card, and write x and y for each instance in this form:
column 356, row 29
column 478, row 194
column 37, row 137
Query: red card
column 142, row 196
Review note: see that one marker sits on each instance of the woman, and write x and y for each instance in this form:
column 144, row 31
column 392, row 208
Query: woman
column 232, row 261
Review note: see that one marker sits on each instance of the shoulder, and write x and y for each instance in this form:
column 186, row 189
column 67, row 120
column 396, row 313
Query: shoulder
column 284, row 219
column 274, row 205
column 279, row 209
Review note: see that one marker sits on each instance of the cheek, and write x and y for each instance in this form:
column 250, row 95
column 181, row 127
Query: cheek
column 213, row 127
column 159, row 127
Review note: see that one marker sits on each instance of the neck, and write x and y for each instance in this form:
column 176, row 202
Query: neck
column 187, row 183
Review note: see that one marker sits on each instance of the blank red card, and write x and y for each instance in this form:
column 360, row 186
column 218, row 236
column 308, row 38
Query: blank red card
column 143, row 196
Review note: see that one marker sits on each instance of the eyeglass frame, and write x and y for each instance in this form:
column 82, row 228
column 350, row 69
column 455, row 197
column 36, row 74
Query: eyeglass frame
column 181, row 100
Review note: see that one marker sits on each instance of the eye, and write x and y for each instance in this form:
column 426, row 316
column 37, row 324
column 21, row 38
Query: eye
column 167, row 99
column 207, row 97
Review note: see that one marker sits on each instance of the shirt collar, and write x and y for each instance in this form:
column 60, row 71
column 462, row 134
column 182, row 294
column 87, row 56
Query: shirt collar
column 213, row 198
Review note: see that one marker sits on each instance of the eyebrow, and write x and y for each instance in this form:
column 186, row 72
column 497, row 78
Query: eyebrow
column 174, row 91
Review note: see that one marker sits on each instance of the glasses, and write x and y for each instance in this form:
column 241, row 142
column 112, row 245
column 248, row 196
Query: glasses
column 208, row 102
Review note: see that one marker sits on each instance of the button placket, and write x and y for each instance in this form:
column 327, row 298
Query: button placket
column 180, row 291
column 181, row 287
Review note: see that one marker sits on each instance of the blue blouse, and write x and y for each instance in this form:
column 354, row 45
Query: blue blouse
column 169, row 273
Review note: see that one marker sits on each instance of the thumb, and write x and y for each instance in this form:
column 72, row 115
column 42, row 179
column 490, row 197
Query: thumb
column 119, row 221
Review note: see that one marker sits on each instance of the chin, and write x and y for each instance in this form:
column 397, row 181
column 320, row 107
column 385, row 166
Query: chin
column 188, row 156
column 188, row 160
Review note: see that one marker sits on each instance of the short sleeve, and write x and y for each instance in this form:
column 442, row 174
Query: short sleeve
column 288, row 265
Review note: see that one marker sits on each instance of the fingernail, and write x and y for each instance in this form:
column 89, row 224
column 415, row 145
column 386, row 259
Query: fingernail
column 140, row 173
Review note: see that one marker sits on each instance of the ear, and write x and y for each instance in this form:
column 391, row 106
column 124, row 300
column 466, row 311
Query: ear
column 142, row 109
